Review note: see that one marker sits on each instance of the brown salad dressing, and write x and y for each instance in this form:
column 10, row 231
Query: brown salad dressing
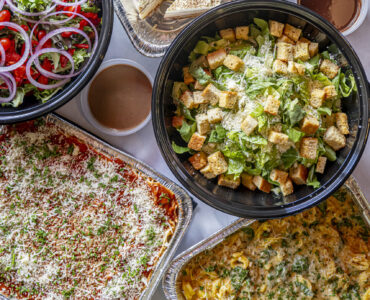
column 341, row 13
column 120, row 96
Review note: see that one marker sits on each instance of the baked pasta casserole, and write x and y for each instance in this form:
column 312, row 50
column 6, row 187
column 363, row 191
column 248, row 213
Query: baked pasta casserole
column 322, row 253
column 75, row 223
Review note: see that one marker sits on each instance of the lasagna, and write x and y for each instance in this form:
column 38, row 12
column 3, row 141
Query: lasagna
column 322, row 253
column 75, row 223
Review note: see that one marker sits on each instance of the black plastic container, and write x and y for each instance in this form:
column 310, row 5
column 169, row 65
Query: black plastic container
column 32, row 108
column 243, row 202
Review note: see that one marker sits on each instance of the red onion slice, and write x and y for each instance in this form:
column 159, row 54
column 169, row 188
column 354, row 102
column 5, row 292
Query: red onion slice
column 12, row 86
column 3, row 55
column 33, row 81
column 2, row 4
column 69, row 4
column 49, row 22
column 42, row 21
column 55, row 75
column 59, row 31
column 14, row 8
column 26, row 49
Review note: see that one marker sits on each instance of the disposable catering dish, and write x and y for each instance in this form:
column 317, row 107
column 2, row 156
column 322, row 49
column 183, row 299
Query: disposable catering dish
column 152, row 34
column 320, row 253
column 308, row 30
column 80, row 218
column 49, row 52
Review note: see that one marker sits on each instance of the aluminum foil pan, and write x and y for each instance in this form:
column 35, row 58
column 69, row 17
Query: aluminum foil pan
column 154, row 34
column 171, row 284
column 185, row 207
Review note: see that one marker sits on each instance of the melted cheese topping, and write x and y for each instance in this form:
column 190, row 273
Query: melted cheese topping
column 74, row 223
column 322, row 253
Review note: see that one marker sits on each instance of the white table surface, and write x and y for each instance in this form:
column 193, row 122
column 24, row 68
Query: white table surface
column 142, row 145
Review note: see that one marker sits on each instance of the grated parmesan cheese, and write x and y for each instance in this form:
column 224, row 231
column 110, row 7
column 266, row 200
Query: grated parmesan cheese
column 73, row 223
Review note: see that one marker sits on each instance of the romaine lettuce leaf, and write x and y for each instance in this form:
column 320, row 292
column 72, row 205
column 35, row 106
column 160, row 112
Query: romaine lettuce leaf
column 217, row 135
column 295, row 135
column 235, row 167
column 179, row 149
column 289, row 157
column 187, row 130
column 312, row 179
column 294, row 112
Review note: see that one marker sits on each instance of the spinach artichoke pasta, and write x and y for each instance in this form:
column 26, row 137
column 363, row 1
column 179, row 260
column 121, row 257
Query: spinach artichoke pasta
column 322, row 253
column 261, row 106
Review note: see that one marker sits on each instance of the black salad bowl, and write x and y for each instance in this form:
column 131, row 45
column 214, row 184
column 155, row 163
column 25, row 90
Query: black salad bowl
column 242, row 202
column 32, row 108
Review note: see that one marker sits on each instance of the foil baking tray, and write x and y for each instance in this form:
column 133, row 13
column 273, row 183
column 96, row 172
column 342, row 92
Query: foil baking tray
column 171, row 284
column 154, row 34
column 185, row 207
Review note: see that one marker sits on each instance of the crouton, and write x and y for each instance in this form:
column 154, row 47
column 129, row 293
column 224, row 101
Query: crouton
column 209, row 148
column 292, row 32
column 285, row 39
column 216, row 58
column 198, row 160
column 196, row 141
column 329, row 121
column 321, row 163
column 188, row 78
column 279, row 176
column 287, row 188
column 241, row 32
column 217, row 163
column 188, row 100
column 317, row 98
column 330, row 91
column 276, row 28
column 228, row 99
column 198, row 86
column 233, row 62
column 198, row 98
column 228, row 34
column 228, row 181
column 301, row 52
column 285, row 51
column 247, row 181
column 342, row 123
column 207, row 172
column 214, row 115
column 298, row 174
column 177, row 121
column 262, row 184
column 280, row 67
column 203, row 125
column 309, row 147
column 329, row 68
column 211, row 94
column 313, row 49
column 271, row 105
column 303, row 40
column 249, row 124
column 334, row 138
column 296, row 68
column 310, row 125
column 278, row 138
column 300, row 68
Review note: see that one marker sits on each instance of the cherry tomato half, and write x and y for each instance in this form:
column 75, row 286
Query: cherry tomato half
column 6, row 43
column 5, row 16
column 41, row 34
column 76, row 9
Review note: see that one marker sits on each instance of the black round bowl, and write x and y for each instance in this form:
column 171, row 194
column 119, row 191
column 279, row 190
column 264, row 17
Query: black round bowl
column 243, row 202
column 32, row 108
